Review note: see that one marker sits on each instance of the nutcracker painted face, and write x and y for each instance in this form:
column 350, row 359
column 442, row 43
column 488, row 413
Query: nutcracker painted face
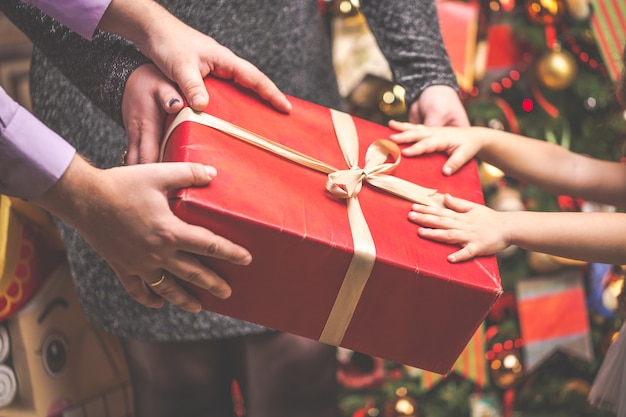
column 53, row 361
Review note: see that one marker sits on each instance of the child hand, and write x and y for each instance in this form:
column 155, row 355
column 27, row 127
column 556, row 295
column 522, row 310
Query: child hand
column 454, row 141
column 477, row 228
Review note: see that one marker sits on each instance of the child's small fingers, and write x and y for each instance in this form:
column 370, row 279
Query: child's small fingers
column 458, row 204
column 411, row 135
column 423, row 218
column 438, row 235
column 404, row 138
column 423, row 209
column 458, row 256
column 398, row 125
column 466, row 253
column 456, row 160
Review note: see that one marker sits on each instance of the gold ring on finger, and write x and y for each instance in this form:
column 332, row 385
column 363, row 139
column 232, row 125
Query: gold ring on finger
column 159, row 282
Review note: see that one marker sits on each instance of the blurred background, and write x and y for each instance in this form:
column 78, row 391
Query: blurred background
column 542, row 68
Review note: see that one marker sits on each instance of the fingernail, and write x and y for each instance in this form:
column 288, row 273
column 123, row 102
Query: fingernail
column 246, row 260
column 198, row 100
column 195, row 309
column 211, row 171
column 172, row 102
column 224, row 294
column 447, row 170
column 412, row 215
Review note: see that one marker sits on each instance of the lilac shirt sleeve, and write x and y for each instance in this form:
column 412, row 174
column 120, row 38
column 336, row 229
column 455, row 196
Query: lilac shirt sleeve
column 32, row 157
column 82, row 16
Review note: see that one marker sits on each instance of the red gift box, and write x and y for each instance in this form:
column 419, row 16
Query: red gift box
column 413, row 307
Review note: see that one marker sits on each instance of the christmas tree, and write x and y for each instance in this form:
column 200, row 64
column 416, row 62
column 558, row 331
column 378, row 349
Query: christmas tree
column 545, row 69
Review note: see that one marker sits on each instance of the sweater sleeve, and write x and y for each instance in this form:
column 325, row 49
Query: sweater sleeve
column 99, row 68
column 409, row 36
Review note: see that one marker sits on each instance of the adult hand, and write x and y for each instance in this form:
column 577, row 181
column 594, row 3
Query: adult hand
column 140, row 237
column 184, row 54
column 195, row 55
column 438, row 105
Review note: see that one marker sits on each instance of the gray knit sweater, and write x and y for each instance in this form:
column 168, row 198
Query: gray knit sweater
column 287, row 39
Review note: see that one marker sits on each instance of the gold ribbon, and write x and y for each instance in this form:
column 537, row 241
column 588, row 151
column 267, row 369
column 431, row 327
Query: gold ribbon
column 342, row 184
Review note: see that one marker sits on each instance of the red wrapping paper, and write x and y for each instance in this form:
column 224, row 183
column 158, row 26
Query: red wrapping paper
column 416, row 308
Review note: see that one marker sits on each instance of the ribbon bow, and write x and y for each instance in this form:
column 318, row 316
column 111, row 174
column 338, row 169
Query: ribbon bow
column 348, row 183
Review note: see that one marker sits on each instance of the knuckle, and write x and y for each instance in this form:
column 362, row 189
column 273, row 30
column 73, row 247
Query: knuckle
column 166, row 290
column 144, row 299
column 470, row 250
column 135, row 294
column 444, row 222
column 213, row 248
column 195, row 277
column 218, row 289
column 450, row 235
column 162, row 237
column 169, row 236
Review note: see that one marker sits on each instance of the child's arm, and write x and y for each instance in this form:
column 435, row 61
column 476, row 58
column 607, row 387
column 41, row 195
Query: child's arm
column 545, row 165
column 593, row 237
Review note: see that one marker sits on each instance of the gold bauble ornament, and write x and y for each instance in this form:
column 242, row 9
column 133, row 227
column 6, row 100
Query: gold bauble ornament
column 578, row 9
column 489, row 174
column 557, row 69
column 545, row 12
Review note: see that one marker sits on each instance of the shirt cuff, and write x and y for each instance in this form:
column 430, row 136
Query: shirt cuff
column 82, row 16
column 32, row 156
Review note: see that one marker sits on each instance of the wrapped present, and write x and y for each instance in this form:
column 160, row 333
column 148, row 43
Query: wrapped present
column 334, row 257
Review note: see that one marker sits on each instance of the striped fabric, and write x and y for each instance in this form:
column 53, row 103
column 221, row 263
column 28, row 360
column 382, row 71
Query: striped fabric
column 470, row 365
column 608, row 23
